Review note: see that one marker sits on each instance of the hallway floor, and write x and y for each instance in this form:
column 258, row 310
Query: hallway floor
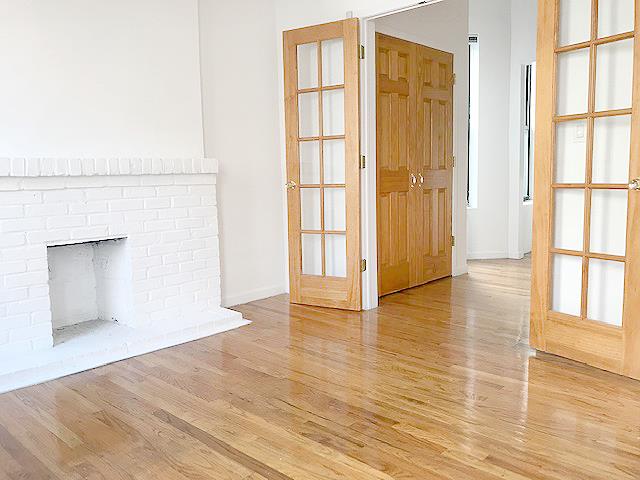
column 438, row 383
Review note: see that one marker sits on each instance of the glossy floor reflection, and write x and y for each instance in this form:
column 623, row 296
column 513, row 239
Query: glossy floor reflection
column 438, row 383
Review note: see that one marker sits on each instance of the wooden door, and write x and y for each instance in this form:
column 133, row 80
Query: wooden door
column 414, row 163
column 434, row 165
column 323, row 164
column 396, row 122
column 586, row 269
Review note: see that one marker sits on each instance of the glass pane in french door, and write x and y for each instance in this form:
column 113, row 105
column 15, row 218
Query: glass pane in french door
column 321, row 150
column 592, row 137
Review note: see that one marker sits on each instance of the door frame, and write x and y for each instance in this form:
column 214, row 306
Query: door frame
column 368, row 174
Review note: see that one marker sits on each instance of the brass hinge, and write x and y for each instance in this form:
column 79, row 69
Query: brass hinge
column 363, row 265
column 363, row 161
column 453, row 241
column 361, row 52
column 453, row 161
column 453, row 80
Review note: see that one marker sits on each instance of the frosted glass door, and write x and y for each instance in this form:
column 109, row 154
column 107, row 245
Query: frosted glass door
column 586, row 263
column 322, row 124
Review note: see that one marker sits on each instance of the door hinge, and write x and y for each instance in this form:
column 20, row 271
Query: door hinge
column 453, row 241
column 363, row 161
column 453, row 79
column 361, row 52
column 363, row 265
column 453, row 161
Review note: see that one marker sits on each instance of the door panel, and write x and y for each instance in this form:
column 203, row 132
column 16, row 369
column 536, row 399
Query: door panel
column 396, row 134
column 434, row 164
column 323, row 164
column 414, row 156
column 586, row 229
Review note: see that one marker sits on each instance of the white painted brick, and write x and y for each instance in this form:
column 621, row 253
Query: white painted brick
column 192, row 266
column 197, row 244
column 173, row 213
column 109, row 193
column 48, row 236
column 165, row 292
column 207, row 211
column 13, row 211
column 97, row 206
column 164, row 248
column 24, row 253
column 139, row 192
column 21, row 198
column 204, row 232
column 126, row 204
column 12, row 239
column 45, row 209
column 22, row 224
column 25, row 279
column 144, row 240
column 8, row 295
column 38, row 291
column 22, row 320
column 162, row 271
column 177, row 279
column 19, row 266
column 41, row 317
column 173, row 190
column 106, row 219
column 158, row 202
column 89, row 233
column 37, row 264
column 63, row 196
column 141, row 216
column 66, row 221
column 18, row 167
column 159, row 225
column 176, row 236
column 186, row 201
column 189, row 223
column 169, row 222
column 183, row 299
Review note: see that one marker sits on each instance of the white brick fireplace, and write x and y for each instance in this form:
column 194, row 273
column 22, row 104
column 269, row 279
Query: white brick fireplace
column 104, row 259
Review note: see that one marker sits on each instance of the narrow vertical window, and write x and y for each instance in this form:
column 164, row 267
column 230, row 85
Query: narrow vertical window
column 474, row 97
column 528, row 130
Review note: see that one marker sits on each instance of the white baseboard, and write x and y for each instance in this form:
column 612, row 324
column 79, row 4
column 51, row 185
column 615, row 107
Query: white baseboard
column 108, row 342
column 252, row 295
column 487, row 255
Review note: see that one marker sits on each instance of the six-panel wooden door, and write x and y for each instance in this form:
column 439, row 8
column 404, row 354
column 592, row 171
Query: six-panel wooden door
column 322, row 122
column 414, row 118
column 586, row 258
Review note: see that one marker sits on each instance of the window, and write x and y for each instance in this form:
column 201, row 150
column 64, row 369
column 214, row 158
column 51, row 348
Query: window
column 528, row 130
column 474, row 97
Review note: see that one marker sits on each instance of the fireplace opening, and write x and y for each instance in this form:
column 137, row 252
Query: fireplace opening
column 89, row 284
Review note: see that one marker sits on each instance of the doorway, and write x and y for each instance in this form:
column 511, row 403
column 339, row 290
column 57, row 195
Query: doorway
column 414, row 113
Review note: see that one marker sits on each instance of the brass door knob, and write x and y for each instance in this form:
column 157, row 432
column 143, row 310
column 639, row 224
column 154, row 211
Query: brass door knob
column 291, row 185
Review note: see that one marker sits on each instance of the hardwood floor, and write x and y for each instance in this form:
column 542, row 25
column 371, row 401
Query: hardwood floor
column 438, row 383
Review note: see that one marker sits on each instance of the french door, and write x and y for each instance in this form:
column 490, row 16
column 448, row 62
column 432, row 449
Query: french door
column 323, row 164
column 586, row 255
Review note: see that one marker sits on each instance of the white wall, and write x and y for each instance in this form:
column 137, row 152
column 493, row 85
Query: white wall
column 240, row 107
column 524, row 14
column 500, row 225
column 488, row 222
column 95, row 78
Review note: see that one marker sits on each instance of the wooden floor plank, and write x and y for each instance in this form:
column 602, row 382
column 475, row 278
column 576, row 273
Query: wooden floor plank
column 437, row 383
